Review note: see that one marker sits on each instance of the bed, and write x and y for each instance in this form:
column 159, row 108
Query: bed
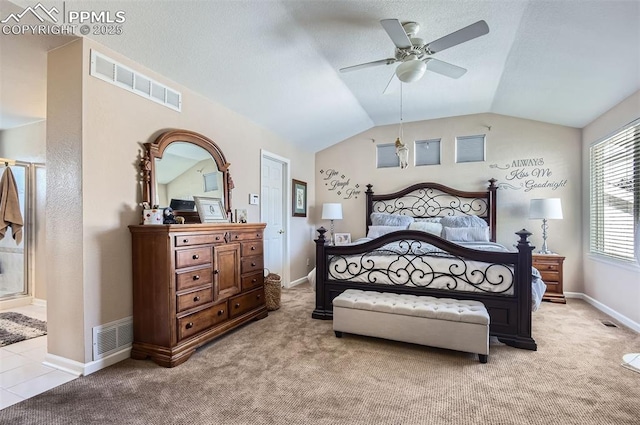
column 460, row 261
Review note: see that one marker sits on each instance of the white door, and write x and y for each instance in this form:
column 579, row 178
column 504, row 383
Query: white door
column 274, row 213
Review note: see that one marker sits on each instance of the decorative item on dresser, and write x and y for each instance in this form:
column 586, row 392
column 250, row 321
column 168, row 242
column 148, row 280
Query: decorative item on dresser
column 550, row 267
column 191, row 282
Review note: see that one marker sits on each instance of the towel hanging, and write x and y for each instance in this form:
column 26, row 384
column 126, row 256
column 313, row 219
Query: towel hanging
column 10, row 215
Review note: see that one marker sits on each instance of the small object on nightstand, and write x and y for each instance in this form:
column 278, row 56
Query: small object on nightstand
column 550, row 268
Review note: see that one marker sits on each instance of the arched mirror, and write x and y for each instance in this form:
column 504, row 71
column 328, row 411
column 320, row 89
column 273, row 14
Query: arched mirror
column 181, row 164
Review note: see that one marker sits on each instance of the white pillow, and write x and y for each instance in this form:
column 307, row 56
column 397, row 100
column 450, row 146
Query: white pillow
column 428, row 219
column 377, row 231
column 384, row 219
column 425, row 226
column 466, row 234
column 463, row 221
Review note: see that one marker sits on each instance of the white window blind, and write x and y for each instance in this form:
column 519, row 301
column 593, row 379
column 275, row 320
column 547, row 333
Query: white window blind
column 427, row 152
column 386, row 156
column 615, row 193
column 470, row 148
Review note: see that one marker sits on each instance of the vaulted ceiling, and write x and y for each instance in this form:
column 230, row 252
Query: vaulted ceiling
column 276, row 62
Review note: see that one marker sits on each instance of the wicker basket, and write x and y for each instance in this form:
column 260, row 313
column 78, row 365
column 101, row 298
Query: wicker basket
column 272, row 291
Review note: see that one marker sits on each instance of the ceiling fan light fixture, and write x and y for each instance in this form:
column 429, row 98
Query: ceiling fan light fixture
column 411, row 70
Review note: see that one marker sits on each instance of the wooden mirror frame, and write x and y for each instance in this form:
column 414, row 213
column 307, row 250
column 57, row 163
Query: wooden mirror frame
column 154, row 150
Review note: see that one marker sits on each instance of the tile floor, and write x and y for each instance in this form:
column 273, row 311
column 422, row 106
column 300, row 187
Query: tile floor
column 22, row 374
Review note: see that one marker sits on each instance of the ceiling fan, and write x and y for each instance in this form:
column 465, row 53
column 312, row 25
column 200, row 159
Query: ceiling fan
column 415, row 55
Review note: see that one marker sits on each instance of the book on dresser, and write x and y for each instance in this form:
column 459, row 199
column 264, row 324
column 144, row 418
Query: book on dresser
column 193, row 283
column 550, row 268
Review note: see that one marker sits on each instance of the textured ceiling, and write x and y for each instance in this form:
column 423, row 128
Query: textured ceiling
column 275, row 62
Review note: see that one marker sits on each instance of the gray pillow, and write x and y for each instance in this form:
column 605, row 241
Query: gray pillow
column 377, row 231
column 384, row 219
column 466, row 234
column 463, row 221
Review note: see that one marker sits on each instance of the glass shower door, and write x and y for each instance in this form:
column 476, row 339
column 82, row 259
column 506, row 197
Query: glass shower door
column 13, row 280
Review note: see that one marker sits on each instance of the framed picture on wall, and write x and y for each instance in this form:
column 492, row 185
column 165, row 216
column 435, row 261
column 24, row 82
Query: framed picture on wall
column 210, row 210
column 299, row 195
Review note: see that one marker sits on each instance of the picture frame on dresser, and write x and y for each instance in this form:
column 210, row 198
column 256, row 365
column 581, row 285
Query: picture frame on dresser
column 342, row 238
column 210, row 210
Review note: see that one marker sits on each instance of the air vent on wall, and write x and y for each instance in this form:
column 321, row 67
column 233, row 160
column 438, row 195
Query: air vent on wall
column 112, row 337
column 107, row 69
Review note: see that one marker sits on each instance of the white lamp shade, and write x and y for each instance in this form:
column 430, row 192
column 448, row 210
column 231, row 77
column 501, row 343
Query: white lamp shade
column 549, row 208
column 332, row 211
column 411, row 70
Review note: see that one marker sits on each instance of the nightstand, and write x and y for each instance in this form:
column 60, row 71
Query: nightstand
column 550, row 267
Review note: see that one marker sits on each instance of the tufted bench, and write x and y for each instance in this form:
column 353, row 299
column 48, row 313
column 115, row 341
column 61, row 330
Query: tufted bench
column 461, row 325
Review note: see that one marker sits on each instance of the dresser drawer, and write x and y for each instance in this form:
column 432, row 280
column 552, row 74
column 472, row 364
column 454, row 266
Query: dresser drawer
column 251, row 248
column 193, row 323
column 246, row 302
column 546, row 265
column 186, row 240
column 193, row 278
column 193, row 257
column 251, row 264
column 252, row 281
column 548, row 277
column 239, row 235
column 194, row 299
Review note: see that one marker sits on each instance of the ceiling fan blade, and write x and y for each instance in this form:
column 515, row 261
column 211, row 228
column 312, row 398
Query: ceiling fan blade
column 445, row 68
column 369, row 64
column 396, row 32
column 458, row 37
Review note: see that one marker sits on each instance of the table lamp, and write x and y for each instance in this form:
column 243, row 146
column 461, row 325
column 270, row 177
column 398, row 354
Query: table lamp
column 545, row 209
column 331, row 212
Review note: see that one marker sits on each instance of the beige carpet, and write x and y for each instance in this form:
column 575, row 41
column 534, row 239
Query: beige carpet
column 290, row 369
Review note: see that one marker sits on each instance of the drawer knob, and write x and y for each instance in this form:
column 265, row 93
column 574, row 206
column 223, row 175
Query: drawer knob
column 185, row 240
column 216, row 271
column 189, row 325
column 195, row 256
column 254, row 280
column 196, row 298
column 236, row 236
column 220, row 312
column 258, row 296
column 237, row 305
column 196, row 277
column 253, row 264
column 253, row 248
column 217, row 238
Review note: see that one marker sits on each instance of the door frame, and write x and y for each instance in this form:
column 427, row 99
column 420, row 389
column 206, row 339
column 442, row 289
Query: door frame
column 286, row 209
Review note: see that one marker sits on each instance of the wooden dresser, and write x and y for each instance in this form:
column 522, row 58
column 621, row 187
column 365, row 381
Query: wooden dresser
column 193, row 283
column 550, row 267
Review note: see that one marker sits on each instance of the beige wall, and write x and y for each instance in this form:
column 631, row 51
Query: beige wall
column 508, row 139
column 114, row 124
column 614, row 284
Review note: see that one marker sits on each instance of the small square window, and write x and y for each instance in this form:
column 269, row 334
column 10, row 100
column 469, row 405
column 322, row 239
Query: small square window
column 470, row 148
column 386, row 156
column 427, row 152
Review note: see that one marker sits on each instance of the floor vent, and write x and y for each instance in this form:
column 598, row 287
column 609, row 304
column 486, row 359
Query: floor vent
column 609, row 324
column 112, row 337
column 108, row 70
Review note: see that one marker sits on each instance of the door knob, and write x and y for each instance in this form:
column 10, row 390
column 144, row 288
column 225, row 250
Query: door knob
column 281, row 231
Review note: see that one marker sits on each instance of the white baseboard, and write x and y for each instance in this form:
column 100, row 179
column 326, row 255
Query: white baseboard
column 298, row 282
column 84, row 369
column 605, row 309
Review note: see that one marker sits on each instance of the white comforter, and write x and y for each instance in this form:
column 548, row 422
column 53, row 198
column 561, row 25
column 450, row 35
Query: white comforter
column 401, row 263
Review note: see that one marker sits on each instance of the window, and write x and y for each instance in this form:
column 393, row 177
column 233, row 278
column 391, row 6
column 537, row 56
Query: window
column 386, row 156
column 470, row 148
column 427, row 152
column 615, row 193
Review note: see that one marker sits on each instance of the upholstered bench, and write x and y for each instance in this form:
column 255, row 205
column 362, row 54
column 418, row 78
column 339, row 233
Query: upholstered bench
column 461, row 325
